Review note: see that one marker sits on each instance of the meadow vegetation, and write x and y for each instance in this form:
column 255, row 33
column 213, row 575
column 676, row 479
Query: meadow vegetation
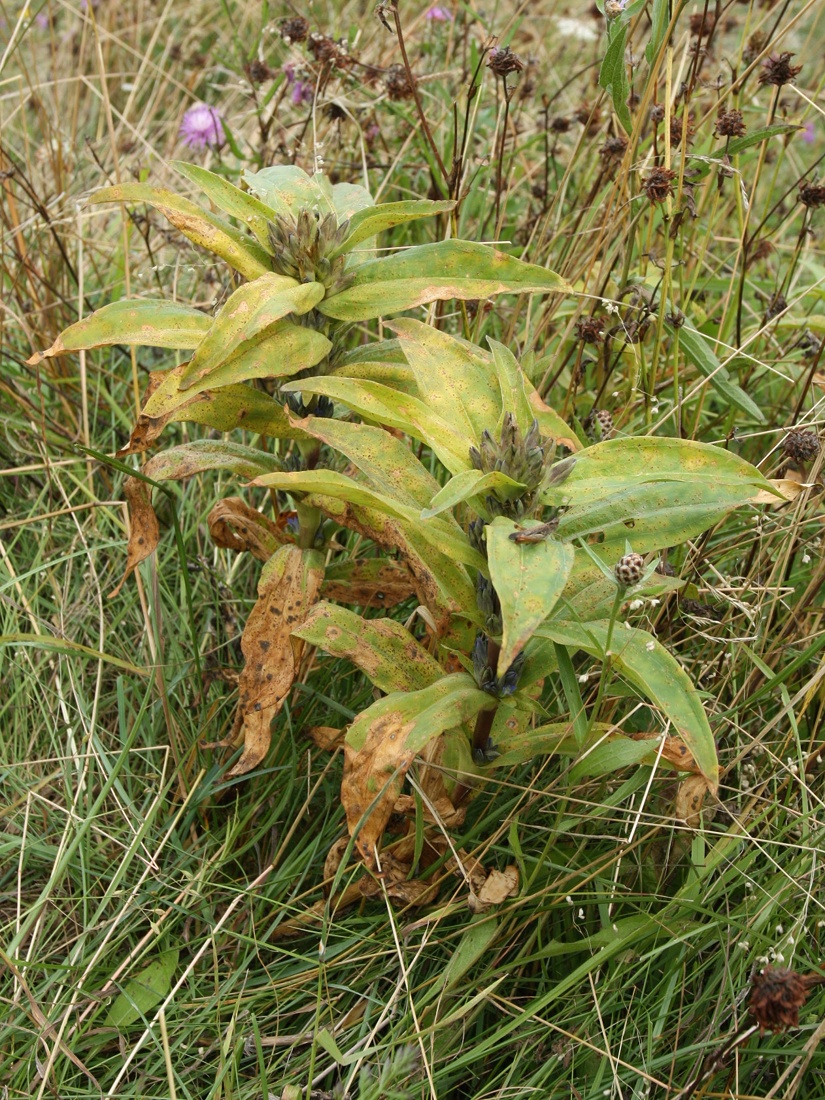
column 517, row 436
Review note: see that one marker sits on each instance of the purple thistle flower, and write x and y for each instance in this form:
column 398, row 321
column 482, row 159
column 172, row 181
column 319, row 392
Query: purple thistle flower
column 809, row 133
column 202, row 127
column 42, row 20
column 302, row 92
column 439, row 14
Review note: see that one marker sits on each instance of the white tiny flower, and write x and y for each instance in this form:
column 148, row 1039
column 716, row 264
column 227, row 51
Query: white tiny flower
column 650, row 646
column 806, row 558
column 635, row 605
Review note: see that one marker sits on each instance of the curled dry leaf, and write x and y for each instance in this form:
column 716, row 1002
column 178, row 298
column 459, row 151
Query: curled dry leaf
column 288, row 587
column 674, row 751
column 445, row 813
column 497, row 887
column 144, row 532
column 235, row 525
column 789, row 487
column 690, row 798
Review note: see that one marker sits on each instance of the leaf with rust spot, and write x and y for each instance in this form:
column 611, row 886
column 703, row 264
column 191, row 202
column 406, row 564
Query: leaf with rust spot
column 384, row 651
column 235, row 525
column 371, row 582
column 144, row 532
column 288, row 587
column 689, row 800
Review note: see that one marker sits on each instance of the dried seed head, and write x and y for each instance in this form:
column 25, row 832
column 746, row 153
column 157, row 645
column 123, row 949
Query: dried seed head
column 755, row 45
column 560, row 124
column 801, row 445
column 665, row 569
column 702, row 23
column 677, row 127
column 629, row 570
column 328, row 51
column 778, row 70
column 294, row 30
column 730, row 124
column 659, row 184
column 398, row 83
column 700, row 610
column 812, row 194
column 257, row 71
column 590, row 330
column 657, row 113
column 778, row 304
column 777, row 994
column 762, row 249
column 614, row 147
column 503, row 61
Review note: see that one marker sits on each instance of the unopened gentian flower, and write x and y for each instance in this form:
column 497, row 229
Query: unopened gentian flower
column 438, row 14
column 202, row 127
column 303, row 91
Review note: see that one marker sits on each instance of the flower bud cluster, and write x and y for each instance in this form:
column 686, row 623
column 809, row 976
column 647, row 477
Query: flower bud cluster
column 488, row 604
column 485, row 674
column 522, row 458
column 302, row 247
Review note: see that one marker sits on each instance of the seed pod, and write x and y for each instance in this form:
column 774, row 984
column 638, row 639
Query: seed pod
column 777, row 994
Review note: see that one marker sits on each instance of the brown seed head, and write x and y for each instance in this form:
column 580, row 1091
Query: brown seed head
column 778, row 70
column 676, row 124
column 730, row 124
column 590, row 329
column 755, row 45
column 257, row 71
column 295, row 29
column 614, row 147
column 777, row 994
column 659, row 184
column 702, row 23
column 801, row 445
column 398, row 84
column 328, row 51
column 657, row 112
column 560, row 124
column 503, row 61
column 812, row 194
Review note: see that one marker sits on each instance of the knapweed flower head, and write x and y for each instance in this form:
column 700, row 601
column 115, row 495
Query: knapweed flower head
column 778, row 70
column 438, row 14
column 503, row 61
column 202, row 127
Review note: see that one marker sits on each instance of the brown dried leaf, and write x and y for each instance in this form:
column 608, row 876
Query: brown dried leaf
column 375, row 771
column 144, row 532
column 235, row 525
column 326, row 738
column 689, row 800
column 289, row 586
column 371, row 583
column 498, row 886
column 790, row 486
column 445, row 812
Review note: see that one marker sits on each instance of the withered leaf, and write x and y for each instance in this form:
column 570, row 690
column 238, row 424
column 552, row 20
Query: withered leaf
column 689, row 800
column 674, row 751
column 326, row 738
column 377, row 770
column 288, row 587
column 375, row 582
column 235, row 525
column 498, row 886
column 144, row 532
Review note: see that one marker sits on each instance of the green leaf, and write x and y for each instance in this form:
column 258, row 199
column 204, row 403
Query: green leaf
column 450, row 540
column 287, row 189
column 423, row 715
column 224, row 409
column 373, row 220
column 383, row 649
column 388, row 463
column 528, row 579
column 454, row 377
column 659, row 18
column 141, row 993
column 200, row 226
column 349, row 199
column 475, row 940
column 178, row 463
column 613, row 73
column 250, row 315
column 432, row 272
column 656, row 673
column 511, row 381
column 655, row 492
column 153, row 323
column 231, row 200
column 396, row 410
column 698, row 350
column 700, row 167
column 471, row 483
